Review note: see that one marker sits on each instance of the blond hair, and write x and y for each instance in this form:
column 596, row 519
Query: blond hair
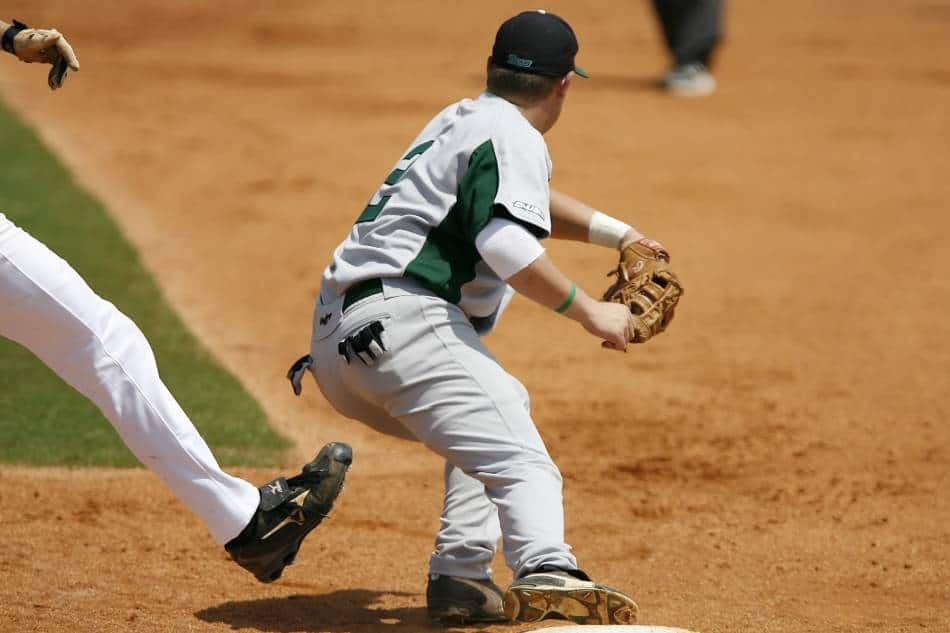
column 519, row 87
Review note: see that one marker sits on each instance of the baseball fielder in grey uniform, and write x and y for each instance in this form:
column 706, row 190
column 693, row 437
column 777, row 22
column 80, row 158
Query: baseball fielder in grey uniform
column 49, row 309
column 428, row 267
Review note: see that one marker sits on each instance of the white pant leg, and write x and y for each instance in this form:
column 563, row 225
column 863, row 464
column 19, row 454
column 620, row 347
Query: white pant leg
column 469, row 532
column 47, row 307
column 443, row 385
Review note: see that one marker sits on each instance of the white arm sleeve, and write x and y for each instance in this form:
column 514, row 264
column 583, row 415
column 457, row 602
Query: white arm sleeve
column 507, row 247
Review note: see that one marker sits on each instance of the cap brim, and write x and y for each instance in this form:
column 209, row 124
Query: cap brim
column 580, row 71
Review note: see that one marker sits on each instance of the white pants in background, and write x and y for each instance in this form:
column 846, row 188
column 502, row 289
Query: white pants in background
column 437, row 383
column 47, row 307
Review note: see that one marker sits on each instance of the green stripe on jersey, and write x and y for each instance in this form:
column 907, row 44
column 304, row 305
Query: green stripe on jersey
column 448, row 257
column 415, row 152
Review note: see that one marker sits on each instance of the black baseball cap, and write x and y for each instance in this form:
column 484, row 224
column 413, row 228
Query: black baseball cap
column 536, row 42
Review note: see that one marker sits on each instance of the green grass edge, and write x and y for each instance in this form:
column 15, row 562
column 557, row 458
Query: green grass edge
column 45, row 422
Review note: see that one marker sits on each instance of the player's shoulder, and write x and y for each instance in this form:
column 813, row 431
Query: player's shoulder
column 468, row 124
column 503, row 123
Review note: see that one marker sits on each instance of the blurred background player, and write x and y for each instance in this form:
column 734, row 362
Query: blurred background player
column 692, row 30
column 47, row 307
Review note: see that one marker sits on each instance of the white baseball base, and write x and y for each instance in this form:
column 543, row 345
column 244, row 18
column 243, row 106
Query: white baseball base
column 613, row 628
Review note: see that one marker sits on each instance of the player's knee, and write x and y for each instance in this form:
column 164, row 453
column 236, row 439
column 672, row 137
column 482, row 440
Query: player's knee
column 532, row 466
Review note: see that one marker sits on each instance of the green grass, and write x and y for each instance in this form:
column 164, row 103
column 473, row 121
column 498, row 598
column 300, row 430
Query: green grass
column 42, row 420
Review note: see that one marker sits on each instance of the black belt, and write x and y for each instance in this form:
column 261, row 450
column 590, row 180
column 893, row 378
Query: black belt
column 362, row 290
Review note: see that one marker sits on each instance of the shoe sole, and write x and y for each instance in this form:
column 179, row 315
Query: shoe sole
column 341, row 457
column 330, row 486
column 594, row 605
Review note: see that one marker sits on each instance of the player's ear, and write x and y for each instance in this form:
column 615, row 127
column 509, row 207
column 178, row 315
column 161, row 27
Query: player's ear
column 563, row 85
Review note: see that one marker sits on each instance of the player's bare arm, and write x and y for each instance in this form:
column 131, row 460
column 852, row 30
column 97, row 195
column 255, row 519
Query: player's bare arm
column 542, row 282
column 644, row 281
column 573, row 220
column 46, row 46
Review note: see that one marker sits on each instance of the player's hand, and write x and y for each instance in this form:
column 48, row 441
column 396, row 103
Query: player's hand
column 611, row 322
column 46, row 46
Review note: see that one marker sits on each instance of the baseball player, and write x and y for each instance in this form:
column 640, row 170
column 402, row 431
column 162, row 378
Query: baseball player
column 428, row 267
column 692, row 30
column 47, row 307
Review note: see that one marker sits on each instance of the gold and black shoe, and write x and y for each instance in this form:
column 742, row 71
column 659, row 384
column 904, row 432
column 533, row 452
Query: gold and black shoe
column 289, row 509
column 570, row 596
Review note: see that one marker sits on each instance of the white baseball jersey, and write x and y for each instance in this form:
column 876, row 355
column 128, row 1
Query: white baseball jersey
column 477, row 159
column 430, row 377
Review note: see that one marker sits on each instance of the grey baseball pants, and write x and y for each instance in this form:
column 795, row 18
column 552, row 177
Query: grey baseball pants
column 437, row 383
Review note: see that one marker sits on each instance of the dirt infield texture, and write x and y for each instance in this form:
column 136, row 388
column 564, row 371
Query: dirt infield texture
column 777, row 462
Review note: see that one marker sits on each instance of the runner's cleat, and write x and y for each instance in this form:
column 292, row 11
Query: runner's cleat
column 289, row 509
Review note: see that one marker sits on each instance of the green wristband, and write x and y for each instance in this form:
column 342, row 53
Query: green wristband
column 561, row 309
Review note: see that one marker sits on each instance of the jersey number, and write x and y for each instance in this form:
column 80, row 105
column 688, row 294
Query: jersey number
column 376, row 205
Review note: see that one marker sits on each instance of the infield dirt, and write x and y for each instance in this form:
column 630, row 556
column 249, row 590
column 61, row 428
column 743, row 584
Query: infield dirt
column 777, row 462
